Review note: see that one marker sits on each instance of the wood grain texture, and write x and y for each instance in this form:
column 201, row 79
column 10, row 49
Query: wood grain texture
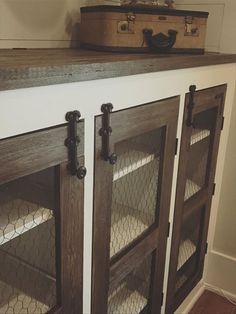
column 22, row 276
column 126, row 124
column 211, row 303
column 71, row 217
column 165, row 192
column 101, row 227
column 125, row 265
column 35, row 151
column 41, row 67
column 205, row 99
column 27, row 154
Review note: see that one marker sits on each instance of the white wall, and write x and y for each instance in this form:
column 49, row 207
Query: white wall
column 54, row 23
column 38, row 23
column 215, row 19
column 225, row 232
column 221, row 31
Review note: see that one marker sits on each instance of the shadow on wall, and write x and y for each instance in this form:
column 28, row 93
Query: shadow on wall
column 72, row 27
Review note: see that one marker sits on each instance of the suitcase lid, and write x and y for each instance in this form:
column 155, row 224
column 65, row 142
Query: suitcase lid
column 143, row 9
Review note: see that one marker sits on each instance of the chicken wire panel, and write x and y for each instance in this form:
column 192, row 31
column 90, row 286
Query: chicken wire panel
column 135, row 188
column 132, row 293
column 190, row 243
column 27, row 244
column 199, row 153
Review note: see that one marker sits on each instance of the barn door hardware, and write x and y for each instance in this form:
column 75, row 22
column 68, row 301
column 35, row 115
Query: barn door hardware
column 192, row 90
column 72, row 142
column 105, row 133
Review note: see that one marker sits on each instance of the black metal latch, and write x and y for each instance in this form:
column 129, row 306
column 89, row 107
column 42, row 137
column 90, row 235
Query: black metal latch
column 105, row 133
column 71, row 142
column 192, row 90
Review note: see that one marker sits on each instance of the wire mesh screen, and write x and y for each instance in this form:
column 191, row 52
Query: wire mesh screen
column 27, row 245
column 131, row 296
column 200, row 144
column 135, row 188
column 190, row 242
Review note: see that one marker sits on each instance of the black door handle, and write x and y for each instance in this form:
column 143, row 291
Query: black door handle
column 160, row 42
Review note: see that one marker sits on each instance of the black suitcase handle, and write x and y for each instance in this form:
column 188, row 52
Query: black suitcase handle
column 160, row 42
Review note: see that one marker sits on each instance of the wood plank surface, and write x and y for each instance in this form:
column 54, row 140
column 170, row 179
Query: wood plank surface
column 211, row 303
column 20, row 68
column 33, row 152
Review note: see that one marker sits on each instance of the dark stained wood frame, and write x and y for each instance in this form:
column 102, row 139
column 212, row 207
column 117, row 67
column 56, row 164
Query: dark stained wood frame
column 204, row 100
column 127, row 124
column 143, row 10
column 29, row 153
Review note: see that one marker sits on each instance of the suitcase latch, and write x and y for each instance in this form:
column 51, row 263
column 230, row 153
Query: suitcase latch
column 131, row 17
column 191, row 28
column 126, row 26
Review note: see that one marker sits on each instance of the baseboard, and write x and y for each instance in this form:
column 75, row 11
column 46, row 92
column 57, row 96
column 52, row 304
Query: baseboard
column 220, row 278
column 191, row 299
column 221, row 292
column 221, row 272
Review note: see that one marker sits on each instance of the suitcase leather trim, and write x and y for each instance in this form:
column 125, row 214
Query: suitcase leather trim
column 143, row 10
column 140, row 49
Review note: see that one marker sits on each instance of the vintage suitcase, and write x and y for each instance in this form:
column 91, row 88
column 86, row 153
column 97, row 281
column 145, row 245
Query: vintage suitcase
column 142, row 28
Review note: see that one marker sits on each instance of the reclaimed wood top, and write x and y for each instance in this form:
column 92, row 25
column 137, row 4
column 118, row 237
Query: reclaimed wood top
column 20, row 68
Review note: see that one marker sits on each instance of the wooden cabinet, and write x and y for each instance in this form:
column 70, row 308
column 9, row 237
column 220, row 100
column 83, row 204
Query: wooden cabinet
column 101, row 245
column 134, row 155
column 41, row 224
column 42, row 206
column 202, row 124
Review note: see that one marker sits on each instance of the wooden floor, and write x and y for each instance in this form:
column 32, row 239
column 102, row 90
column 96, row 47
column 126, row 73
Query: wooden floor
column 211, row 303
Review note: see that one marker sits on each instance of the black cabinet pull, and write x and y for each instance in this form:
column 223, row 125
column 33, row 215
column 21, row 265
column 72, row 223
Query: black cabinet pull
column 72, row 142
column 105, row 133
column 192, row 90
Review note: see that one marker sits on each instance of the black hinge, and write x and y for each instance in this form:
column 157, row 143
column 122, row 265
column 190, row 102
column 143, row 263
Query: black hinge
column 192, row 90
column 221, row 96
column 206, row 249
column 176, row 145
column 222, row 123
column 162, row 298
column 168, row 230
column 213, row 189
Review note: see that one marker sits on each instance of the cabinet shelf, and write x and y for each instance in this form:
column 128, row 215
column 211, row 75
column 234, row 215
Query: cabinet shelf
column 186, row 250
column 24, row 304
column 124, row 300
column 129, row 162
column 199, row 135
column 190, row 189
column 19, row 216
column 124, row 231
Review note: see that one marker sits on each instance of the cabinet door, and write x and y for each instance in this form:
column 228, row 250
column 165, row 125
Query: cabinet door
column 131, row 207
column 41, row 229
column 202, row 124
